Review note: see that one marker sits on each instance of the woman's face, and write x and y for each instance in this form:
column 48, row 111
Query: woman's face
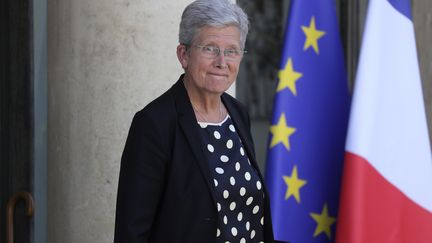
column 211, row 74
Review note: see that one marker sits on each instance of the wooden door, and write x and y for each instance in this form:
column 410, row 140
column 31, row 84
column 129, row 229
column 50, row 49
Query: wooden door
column 16, row 113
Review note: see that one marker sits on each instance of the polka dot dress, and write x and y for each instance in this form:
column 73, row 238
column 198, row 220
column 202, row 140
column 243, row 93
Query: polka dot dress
column 238, row 188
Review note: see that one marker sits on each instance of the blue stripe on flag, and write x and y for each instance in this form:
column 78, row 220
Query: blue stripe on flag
column 403, row 6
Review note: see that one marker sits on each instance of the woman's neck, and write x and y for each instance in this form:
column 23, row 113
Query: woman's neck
column 208, row 107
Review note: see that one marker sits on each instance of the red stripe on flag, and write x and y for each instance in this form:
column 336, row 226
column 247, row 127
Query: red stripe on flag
column 373, row 210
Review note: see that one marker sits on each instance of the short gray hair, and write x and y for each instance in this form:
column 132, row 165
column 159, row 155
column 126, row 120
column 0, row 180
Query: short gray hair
column 214, row 13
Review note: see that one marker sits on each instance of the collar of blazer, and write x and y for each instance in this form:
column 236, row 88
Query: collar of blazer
column 191, row 128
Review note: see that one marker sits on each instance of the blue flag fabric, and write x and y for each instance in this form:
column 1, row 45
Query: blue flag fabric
column 308, row 127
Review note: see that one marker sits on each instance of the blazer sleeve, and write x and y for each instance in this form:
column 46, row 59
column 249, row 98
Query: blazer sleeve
column 141, row 180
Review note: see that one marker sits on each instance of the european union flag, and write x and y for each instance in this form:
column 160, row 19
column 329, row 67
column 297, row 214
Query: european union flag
column 308, row 128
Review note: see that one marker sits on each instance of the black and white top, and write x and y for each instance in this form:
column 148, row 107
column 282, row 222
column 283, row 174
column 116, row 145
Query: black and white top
column 238, row 189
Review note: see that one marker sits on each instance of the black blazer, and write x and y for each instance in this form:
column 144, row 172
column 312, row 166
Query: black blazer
column 165, row 191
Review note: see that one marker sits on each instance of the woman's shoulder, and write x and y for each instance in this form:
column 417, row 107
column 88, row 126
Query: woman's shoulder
column 161, row 104
column 164, row 105
column 227, row 98
column 235, row 104
column 160, row 110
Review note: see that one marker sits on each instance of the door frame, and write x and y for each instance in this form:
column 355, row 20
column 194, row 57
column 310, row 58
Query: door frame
column 40, row 183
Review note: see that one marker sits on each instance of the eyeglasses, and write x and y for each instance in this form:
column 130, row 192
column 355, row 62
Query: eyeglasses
column 214, row 51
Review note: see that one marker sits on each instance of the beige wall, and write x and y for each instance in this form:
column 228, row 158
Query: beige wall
column 422, row 15
column 107, row 59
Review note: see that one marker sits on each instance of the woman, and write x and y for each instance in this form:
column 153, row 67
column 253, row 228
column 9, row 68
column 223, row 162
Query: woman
column 188, row 170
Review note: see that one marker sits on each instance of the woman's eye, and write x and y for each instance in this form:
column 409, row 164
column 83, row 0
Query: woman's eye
column 231, row 52
column 209, row 48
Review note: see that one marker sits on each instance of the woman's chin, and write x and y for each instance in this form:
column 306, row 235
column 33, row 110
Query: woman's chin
column 219, row 88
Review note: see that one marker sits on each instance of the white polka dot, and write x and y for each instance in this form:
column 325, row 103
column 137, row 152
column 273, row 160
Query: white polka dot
column 237, row 166
column 255, row 209
column 249, row 162
column 262, row 221
column 224, row 158
column 234, row 231
column 243, row 240
column 242, row 191
column 258, row 184
column 249, row 201
column 229, row 144
column 225, row 194
column 217, row 233
column 217, row 135
column 241, row 151
column 240, row 216
column 225, row 219
column 219, row 207
column 203, row 125
column 219, row 170
column 247, row 225
column 252, row 234
column 247, row 176
column 232, row 181
column 215, row 182
column 232, row 128
column 210, row 148
column 232, row 206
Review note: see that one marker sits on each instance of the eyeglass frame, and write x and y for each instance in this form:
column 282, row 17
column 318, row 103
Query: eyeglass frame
column 235, row 58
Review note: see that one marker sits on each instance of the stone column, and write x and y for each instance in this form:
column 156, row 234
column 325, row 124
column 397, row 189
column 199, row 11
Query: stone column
column 106, row 60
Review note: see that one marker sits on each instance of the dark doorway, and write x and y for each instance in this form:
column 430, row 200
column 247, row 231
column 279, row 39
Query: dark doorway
column 16, row 113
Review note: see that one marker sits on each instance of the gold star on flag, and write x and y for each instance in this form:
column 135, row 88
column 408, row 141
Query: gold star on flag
column 324, row 222
column 312, row 36
column 281, row 133
column 293, row 185
column 288, row 78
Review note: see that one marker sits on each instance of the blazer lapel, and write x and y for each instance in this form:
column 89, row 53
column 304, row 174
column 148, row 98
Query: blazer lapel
column 190, row 127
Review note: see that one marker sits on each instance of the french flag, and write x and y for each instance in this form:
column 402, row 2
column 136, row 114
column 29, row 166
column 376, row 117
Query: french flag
column 386, row 193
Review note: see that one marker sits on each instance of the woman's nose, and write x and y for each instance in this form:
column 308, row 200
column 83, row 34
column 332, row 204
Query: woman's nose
column 221, row 61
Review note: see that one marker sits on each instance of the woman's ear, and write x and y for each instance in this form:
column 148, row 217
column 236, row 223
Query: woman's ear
column 182, row 55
